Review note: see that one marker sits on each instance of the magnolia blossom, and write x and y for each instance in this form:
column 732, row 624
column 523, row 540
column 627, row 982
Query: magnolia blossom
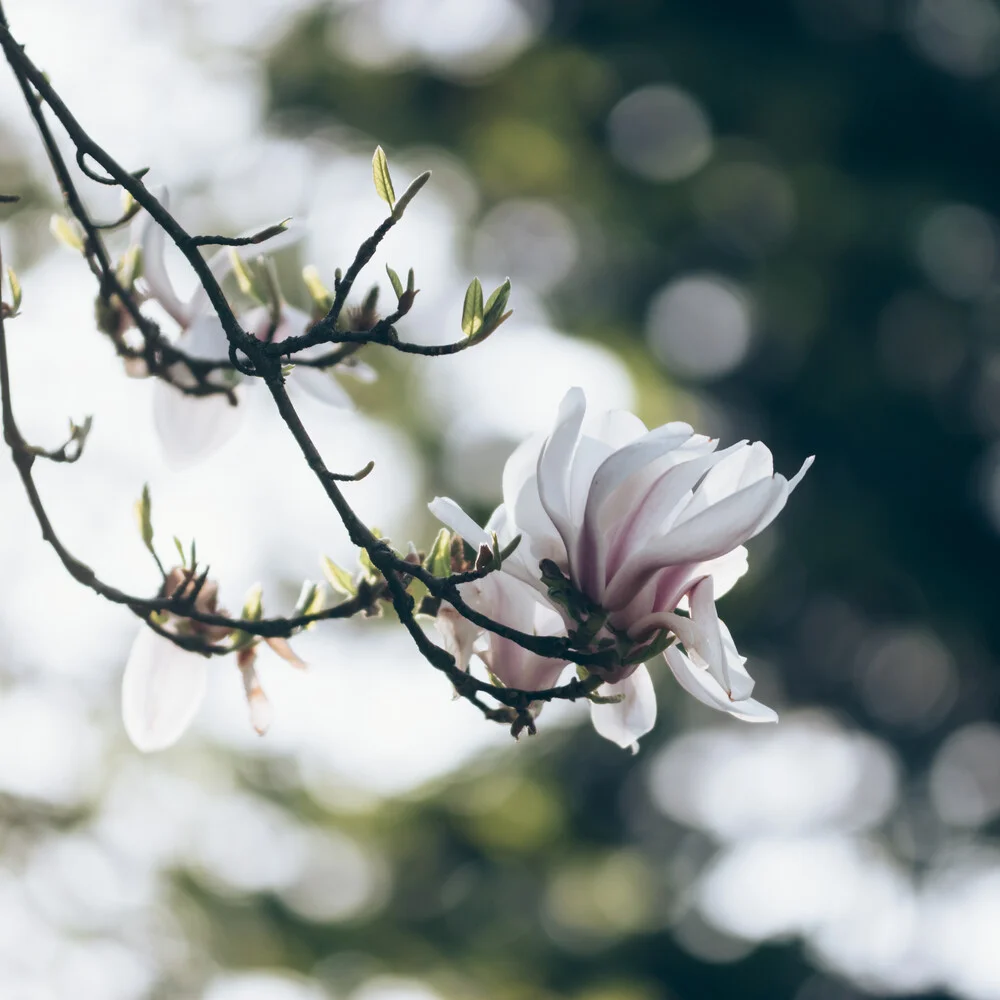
column 513, row 603
column 164, row 685
column 650, row 526
column 192, row 427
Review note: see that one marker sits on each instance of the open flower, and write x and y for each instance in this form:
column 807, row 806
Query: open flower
column 164, row 685
column 643, row 523
column 192, row 427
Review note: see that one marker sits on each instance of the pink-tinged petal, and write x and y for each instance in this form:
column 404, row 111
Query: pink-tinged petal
column 636, row 530
column 452, row 516
column 781, row 498
column 699, row 683
column 162, row 690
column 191, row 428
column 613, row 472
column 152, row 240
column 624, row 722
column 708, row 535
column 516, row 604
column 554, row 464
column 280, row 647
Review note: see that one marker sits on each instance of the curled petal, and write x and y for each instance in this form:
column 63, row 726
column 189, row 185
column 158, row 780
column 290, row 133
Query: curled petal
column 625, row 721
column 698, row 682
column 162, row 690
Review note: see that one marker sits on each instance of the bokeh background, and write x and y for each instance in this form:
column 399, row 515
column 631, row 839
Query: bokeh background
column 776, row 220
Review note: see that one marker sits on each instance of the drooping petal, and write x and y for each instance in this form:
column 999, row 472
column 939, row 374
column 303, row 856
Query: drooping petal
column 624, row 722
column 162, row 690
column 190, row 428
column 698, row 682
column 452, row 516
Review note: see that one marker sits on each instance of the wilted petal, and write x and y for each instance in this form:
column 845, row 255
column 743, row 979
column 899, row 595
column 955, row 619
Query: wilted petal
column 192, row 427
column 162, row 689
column 624, row 722
column 698, row 682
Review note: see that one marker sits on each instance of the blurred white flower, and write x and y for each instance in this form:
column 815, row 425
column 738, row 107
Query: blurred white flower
column 164, row 685
column 192, row 427
column 650, row 526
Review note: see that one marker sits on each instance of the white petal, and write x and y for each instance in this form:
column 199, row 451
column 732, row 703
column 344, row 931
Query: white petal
column 322, row 385
column 700, row 683
column 778, row 504
column 162, row 689
column 555, row 461
column 624, row 722
column 452, row 516
column 706, row 620
column 152, row 239
column 190, row 428
column 205, row 339
column 744, row 464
